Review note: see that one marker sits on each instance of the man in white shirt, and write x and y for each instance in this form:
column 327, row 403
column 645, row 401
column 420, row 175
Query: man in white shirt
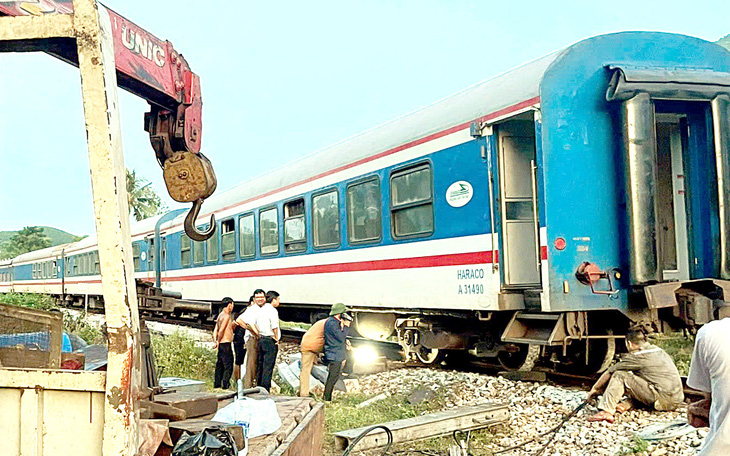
column 710, row 372
column 267, row 322
column 248, row 320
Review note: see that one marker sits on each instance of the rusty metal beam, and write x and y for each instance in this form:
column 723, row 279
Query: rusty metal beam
column 95, row 47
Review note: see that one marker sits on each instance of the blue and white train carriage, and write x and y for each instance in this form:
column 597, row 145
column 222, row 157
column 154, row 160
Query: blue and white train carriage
column 533, row 215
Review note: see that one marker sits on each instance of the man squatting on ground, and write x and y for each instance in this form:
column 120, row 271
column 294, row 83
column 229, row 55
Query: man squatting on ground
column 239, row 343
column 311, row 346
column 223, row 337
column 336, row 329
column 646, row 374
column 709, row 372
column 251, row 339
column 267, row 322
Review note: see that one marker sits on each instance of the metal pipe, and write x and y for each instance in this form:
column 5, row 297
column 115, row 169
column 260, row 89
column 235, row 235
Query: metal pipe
column 490, row 177
column 640, row 157
column 535, row 220
column 721, row 128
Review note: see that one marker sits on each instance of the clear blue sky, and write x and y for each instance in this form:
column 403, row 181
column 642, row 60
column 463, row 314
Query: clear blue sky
column 283, row 79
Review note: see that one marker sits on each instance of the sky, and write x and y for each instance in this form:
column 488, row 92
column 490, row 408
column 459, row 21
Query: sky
column 283, row 79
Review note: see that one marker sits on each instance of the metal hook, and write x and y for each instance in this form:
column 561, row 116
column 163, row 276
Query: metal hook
column 189, row 224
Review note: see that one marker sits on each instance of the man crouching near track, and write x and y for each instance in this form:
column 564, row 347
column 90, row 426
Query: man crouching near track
column 646, row 374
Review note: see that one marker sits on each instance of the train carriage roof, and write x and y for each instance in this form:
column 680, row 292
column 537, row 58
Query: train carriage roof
column 503, row 91
column 481, row 100
column 42, row 254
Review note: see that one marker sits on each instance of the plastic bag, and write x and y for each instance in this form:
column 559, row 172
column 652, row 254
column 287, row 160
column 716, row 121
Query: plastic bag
column 256, row 416
column 209, row 442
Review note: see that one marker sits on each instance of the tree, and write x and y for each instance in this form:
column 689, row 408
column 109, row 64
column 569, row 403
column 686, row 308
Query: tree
column 143, row 201
column 26, row 240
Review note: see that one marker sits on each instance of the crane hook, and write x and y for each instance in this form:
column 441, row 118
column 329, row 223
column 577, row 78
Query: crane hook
column 189, row 224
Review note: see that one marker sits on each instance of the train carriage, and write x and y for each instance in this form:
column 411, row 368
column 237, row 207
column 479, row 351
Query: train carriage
column 533, row 216
column 6, row 276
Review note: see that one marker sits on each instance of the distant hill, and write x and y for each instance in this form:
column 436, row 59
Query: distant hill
column 724, row 41
column 57, row 236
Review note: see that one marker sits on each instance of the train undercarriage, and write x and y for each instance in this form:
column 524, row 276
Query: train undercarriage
column 583, row 342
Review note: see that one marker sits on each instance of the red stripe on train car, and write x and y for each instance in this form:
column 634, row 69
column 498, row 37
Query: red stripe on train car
column 458, row 259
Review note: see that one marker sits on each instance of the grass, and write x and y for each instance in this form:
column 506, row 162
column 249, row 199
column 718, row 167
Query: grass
column 679, row 347
column 635, row 445
column 294, row 325
column 178, row 355
column 79, row 326
column 32, row 300
column 342, row 414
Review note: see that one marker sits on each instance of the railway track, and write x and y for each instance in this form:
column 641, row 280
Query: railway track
column 393, row 352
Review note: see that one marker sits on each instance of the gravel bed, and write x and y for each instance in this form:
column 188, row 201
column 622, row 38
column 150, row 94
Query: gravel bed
column 535, row 408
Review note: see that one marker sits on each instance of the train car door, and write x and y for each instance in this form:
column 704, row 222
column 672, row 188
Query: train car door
column 520, row 231
column 671, row 208
column 150, row 271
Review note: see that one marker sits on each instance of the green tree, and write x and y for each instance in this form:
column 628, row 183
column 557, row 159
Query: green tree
column 26, row 240
column 143, row 201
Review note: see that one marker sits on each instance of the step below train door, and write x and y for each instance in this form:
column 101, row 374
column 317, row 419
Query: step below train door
column 520, row 259
column 670, row 193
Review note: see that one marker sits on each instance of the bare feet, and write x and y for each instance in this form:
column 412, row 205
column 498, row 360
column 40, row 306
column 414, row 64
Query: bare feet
column 602, row 415
column 623, row 406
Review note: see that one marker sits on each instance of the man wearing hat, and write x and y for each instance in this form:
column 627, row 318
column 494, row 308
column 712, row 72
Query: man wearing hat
column 335, row 339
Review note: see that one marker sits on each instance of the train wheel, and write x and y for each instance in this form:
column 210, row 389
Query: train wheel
column 523, row 359
column 428, row 355
column 600, row 354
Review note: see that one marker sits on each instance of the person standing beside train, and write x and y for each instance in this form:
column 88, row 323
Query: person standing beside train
column 267, row 321
column 251, row 339
column 709, row 371
column 336, row 329
column 311, row 346
column 223, row 337
column 239, row 343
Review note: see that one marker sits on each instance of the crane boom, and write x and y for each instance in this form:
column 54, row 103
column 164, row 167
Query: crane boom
column 151, row 69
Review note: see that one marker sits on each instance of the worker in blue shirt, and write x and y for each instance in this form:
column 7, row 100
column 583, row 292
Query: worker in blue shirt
column 336, row 329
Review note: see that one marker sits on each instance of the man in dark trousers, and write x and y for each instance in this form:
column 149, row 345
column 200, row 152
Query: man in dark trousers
column 267, row 322
column 223, row 337
column 336, row 329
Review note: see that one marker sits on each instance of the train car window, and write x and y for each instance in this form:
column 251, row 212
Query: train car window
column 295, row 233
column 54, row 265
column 97, row 268
column 228, row 239
column 34, row 274
column 151, row 254
column 411, row 201
column 136, row 252
column 269, row 231
column 185, row 247
column 247, row 240
column 69, row 267
column 163, row 255
column 198, row 254
column 363, row 211
column 326, row 220
column 212, row 244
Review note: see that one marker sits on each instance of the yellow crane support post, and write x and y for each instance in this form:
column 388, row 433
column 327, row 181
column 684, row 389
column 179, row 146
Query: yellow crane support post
column 54, row 412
